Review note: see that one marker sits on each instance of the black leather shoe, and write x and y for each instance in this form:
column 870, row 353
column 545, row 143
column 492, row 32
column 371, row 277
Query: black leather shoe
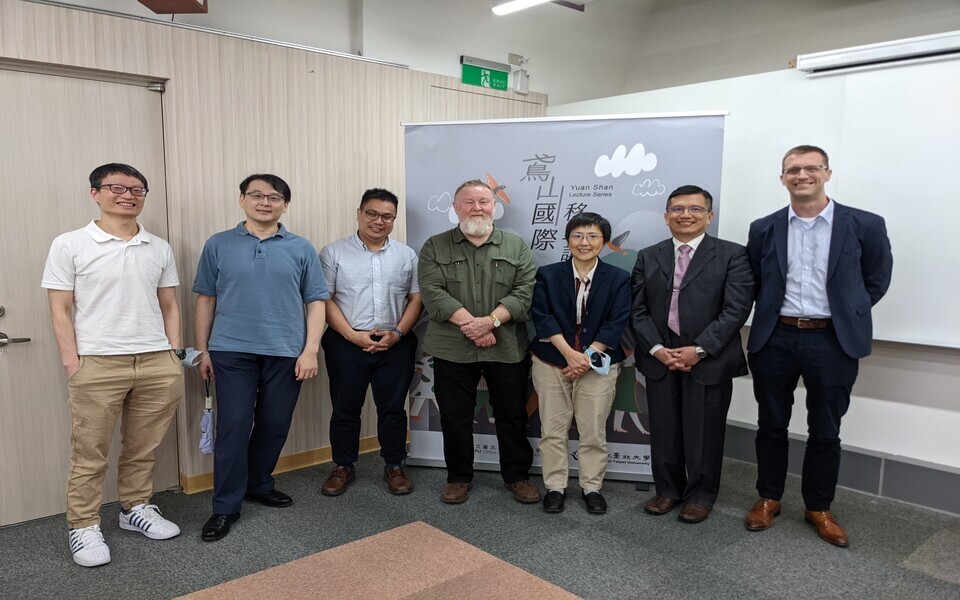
column 273, row 498
column 594, row 502
column 217, row 527
column 553, row 501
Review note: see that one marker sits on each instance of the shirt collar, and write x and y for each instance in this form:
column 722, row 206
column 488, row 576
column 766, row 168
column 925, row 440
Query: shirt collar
column 241, row 230
column 495, row 238
column 100, row 236
column 826, row 214
column 359, row 243
column 593, row 269
column 692, row 243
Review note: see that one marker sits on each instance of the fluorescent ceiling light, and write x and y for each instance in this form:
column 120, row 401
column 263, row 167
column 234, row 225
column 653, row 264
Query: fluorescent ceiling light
column 514, row 5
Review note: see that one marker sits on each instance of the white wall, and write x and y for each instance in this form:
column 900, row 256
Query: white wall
column 613, row 47
column 689, row 41
column 907, row 398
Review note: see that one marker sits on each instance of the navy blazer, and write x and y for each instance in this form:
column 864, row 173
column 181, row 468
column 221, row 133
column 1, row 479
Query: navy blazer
column 715, row 299
column 554, row 310
column 858, row 274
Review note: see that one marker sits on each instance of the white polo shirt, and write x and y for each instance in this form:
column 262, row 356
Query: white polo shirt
column 114, row 284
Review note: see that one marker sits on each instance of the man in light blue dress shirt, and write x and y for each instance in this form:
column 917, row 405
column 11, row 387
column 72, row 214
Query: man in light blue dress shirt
column 820, row 266
column 374, row 304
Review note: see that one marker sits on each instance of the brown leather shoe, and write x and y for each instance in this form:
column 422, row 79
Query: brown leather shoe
column 456, row 493
column 338, row 481
column 694, row 513
column 827, row 527
column 660, row 505
column 761, row 515
column 397, row 480
column 524, row 492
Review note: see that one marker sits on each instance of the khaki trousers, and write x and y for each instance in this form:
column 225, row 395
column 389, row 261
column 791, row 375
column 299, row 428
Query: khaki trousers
column 145, row 389
column 588, row 399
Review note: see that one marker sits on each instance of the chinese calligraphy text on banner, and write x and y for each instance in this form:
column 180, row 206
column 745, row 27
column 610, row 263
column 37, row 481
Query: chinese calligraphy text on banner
column 543, row 172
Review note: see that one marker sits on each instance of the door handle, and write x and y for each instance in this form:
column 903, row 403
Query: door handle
column 4, row 340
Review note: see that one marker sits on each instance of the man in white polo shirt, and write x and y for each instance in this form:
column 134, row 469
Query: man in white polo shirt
column 112, row 293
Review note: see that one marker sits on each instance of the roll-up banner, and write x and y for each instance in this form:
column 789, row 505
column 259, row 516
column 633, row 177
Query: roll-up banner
column 543, row 172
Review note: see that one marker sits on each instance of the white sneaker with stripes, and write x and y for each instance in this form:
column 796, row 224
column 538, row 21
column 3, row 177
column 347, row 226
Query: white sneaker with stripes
column 88, row 547
column 146, row 519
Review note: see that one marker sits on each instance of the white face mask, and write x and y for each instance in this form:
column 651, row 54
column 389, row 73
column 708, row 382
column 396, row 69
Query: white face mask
column 599, row 361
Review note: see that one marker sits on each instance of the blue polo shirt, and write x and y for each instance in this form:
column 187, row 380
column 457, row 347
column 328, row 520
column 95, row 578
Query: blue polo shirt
column 260, row 287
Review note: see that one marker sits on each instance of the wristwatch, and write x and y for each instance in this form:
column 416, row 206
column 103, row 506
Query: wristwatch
column 180, row 353
column 496, row 321
column 701, row 353
column 397, row 331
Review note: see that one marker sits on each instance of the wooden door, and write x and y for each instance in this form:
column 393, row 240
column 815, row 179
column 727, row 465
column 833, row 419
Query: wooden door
column 54, row 131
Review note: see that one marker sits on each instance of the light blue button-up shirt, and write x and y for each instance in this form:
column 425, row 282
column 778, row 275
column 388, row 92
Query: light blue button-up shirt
column 371, row 287
column 808, row 251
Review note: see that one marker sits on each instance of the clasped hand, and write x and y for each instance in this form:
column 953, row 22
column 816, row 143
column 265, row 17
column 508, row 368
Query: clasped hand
column 479, row 330
column 678, row 359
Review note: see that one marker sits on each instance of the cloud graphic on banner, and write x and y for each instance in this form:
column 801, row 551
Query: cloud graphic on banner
column 441, row 203
column 621, row 162
column 649, row 187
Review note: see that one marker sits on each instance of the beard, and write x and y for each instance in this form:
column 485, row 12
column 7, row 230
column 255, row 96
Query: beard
column 477, row 226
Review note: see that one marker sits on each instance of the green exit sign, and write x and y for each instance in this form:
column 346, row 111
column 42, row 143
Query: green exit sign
column 484, row 77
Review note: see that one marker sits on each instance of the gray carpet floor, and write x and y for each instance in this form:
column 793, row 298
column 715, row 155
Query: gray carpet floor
column 897, row 550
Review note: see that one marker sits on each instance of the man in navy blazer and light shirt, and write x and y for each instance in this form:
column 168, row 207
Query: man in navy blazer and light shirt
column 820, row 267
column 689, row 366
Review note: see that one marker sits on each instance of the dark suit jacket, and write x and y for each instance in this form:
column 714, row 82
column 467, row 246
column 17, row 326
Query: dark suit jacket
column 554, row 310
column 858, row 275
column 715, row 299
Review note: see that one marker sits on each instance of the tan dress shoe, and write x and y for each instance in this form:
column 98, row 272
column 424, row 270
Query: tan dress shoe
column 338, row 481
column 694, row 513
column 524, row 492
column 659, row 505
column 827, row 527
column 397, row 480
column 761, row 515
column 456, row 493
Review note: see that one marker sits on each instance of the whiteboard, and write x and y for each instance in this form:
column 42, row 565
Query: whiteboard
column 893, row 136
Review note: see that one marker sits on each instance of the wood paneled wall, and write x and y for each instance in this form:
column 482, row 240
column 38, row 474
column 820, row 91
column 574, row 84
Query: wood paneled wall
column 328, row 125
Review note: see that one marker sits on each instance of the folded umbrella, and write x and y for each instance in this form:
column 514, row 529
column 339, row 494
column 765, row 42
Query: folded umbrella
column 206, row 422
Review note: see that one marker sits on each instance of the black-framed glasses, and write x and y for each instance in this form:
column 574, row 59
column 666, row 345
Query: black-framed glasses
column 120, row 190
column 693, row 210
column 372, row 215
column 809, row 170
column 271, row 198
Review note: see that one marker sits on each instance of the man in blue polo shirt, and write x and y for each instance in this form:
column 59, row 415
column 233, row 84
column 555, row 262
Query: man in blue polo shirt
column 260, row 313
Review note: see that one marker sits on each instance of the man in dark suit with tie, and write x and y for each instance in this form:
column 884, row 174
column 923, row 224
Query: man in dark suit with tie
column 691, row 295
column 820, row 267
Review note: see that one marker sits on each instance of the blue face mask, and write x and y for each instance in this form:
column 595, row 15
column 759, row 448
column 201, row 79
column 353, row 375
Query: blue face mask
column 599, row 361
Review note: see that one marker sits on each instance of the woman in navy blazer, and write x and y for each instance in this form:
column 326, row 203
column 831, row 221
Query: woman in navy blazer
column 580, row 310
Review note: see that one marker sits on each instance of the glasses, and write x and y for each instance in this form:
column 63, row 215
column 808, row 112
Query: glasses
column 809, row 170
column 373, row 215
column 120, row 190
column 693, row 210
column 471, row 203
column 576, row 238
column 271, row 198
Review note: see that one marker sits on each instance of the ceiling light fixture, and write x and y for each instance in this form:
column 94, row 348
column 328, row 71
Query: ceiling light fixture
column 514, row 5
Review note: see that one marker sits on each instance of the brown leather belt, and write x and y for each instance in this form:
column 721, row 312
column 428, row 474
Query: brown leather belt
column 805, row 323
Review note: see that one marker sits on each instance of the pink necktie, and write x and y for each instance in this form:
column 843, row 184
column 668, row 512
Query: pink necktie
column 683, row 261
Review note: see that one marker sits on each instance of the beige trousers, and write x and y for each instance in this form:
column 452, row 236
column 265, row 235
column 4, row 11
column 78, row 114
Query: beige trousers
column 588, row 399
column 145, row 389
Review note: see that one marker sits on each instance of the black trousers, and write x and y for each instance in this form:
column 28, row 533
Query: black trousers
column 688, row 422
column 828, row 376
column 351, row 372
column 456, row 389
